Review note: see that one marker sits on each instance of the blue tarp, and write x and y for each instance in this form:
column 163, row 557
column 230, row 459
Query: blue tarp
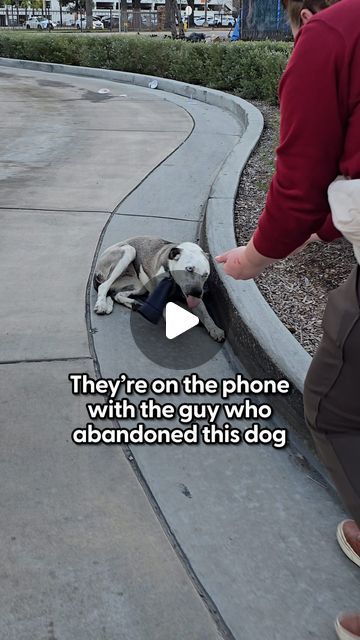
column 235, row 35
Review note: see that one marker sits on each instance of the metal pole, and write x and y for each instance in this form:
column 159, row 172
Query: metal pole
column 119, row 5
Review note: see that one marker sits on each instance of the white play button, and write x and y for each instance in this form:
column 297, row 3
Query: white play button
column 178, row 320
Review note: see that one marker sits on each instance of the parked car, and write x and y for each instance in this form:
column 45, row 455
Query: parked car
column 227, row 21
column 149, row 20
column 199, row 21
column 111, row 23
column 40, row 22
column 67, row 21
column 96, row 23
column 215, row 21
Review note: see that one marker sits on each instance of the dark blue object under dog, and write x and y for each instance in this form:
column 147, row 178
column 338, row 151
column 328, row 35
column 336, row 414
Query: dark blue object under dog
column 152, row 308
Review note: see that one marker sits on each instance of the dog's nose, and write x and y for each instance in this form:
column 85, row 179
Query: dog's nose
column 196, row 293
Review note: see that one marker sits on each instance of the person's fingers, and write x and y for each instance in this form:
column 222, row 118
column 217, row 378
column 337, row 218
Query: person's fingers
column 221, row 259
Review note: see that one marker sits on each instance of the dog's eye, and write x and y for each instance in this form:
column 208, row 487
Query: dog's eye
column 190, row 269
column 205, row 275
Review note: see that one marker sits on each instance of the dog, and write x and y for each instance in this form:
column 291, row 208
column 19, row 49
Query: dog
column 135, row 266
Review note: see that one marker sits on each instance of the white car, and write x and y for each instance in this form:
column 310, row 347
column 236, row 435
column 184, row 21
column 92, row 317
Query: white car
column 215, row 21
column 67, row 21
column 226, row 21
column 96, row 23
column 39, row 22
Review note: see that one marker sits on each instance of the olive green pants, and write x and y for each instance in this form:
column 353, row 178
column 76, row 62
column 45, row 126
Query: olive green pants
column 332, row 392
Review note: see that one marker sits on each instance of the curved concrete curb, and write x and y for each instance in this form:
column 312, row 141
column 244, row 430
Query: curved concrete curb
column 254, row 331
column 256, row 334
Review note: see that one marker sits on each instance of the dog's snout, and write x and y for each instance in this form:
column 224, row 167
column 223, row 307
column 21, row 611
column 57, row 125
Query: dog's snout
column 195, row 292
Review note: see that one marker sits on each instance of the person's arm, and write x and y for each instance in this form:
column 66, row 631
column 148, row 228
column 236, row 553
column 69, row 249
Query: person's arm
column 244, row 263
column 311, row 140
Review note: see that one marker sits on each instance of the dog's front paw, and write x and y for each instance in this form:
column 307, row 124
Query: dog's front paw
column 217, row 334
column 104, row 306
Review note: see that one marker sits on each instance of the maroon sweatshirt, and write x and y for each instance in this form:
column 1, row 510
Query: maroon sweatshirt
column 319, row 130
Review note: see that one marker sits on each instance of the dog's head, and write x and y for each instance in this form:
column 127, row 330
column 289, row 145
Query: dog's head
column 190, row 268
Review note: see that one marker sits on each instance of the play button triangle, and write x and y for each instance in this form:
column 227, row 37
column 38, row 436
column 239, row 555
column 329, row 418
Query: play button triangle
column 178, row 320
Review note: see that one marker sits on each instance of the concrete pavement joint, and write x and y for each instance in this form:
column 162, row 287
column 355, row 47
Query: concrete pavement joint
column 33, row 360
column 24, row 209
column 129, row 129
column 148, row 215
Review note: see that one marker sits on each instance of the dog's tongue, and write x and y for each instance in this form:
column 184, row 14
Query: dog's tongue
column 192, row 302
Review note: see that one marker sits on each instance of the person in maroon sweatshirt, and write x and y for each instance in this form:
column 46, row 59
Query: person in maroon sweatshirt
column 320, row 140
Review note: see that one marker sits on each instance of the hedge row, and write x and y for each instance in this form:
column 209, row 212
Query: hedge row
column 249, row 69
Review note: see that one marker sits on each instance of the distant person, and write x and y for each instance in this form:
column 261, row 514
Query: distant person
column 320, row 140
column 234, row 33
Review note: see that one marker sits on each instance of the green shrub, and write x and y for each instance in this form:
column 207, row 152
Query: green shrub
column 251, row 70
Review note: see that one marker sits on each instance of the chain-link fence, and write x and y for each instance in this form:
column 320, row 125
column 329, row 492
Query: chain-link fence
column 16, row 17
column 262, row 19
column 259, row 19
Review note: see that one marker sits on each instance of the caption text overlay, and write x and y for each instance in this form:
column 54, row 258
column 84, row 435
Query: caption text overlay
column 139, row 400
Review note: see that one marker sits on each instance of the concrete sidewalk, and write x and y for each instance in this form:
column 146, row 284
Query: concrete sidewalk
column 82, row 553
column 253, row 528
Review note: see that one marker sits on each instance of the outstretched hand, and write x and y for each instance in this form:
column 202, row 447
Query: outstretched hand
column 236, row 264
column 243, row 263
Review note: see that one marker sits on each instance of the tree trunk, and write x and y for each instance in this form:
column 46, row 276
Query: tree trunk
column 172, row 16
column 176, row 13
column 123, row 10
column 168, row 9
column 89, row 13
column 180, row 20
column 136, row 15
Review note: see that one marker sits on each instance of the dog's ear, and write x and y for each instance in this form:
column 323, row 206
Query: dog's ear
column 174, row 253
